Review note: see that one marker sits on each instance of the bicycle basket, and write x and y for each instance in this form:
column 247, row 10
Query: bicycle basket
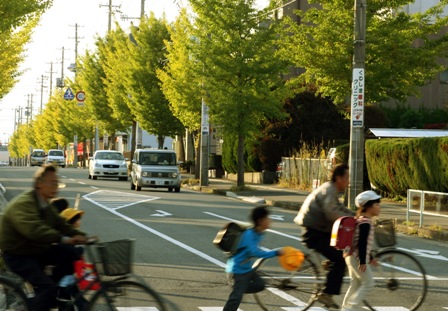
column 116, row 257
column 385, row 233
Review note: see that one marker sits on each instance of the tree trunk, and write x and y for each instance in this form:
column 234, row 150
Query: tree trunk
column 84, row 152
column 180, row 141
column 160, row 141
column 241, row 166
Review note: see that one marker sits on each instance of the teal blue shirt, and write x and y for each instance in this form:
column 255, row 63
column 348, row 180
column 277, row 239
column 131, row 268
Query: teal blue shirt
column 248, row 252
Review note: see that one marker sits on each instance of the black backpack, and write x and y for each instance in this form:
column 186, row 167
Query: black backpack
column 228, row 238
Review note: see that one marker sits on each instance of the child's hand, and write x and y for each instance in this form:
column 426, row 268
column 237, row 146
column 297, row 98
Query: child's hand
column 362, row 268
column 280, row 252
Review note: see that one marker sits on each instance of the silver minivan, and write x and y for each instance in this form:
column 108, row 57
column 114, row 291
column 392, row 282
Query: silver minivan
column 37, row 157
column 155, row 168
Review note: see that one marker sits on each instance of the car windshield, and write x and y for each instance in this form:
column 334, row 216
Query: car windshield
column 38, row 154
column 57, row 153
column 153, row 158
column 109, row 156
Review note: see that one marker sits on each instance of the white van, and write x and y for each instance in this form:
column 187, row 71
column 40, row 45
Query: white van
column 55, row 157
column 37, row 157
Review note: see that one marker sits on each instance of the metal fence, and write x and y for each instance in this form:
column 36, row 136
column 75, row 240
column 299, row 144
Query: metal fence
column 426, row 203
column 306, row 172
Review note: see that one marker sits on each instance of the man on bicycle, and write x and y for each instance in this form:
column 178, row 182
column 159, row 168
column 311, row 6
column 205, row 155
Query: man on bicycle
column 33, row 236
column 317, row 215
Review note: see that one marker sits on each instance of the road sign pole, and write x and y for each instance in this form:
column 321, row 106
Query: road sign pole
column 356, row 159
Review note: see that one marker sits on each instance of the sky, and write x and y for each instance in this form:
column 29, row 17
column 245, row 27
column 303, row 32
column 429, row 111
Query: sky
column 56, row 30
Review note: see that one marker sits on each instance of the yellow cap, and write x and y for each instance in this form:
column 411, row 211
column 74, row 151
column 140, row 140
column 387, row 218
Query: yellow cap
column 291, row 258
column 70, row 212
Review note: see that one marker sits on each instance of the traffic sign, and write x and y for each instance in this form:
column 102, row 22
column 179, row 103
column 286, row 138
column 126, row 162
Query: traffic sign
column 68, row 95
column 80, row 96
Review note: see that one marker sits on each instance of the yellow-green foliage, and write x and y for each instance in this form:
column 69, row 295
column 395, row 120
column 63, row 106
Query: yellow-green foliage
column 395, row 165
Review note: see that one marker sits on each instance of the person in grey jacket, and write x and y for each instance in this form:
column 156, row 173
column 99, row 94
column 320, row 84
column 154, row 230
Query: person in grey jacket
column 320, row 210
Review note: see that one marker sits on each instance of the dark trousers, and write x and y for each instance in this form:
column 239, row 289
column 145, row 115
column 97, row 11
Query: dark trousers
column 320, row 241
column 31, row 269
column 248, row 283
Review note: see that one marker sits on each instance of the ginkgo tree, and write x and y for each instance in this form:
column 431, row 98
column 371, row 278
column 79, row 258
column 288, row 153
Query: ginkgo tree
column 402, row 49
column 243, row 82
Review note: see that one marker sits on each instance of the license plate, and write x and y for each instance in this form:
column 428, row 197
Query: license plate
column 110, row 172
column 159, row 182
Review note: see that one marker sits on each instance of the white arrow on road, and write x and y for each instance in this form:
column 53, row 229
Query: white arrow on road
column 277, row 217
column 161, row 213
column 425, row 253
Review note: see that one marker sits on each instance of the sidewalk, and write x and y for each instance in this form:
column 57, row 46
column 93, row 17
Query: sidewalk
column 434, row 227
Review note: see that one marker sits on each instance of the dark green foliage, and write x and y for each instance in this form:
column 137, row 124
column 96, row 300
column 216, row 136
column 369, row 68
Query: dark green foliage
column 406, row 117
column 230, row 151
column 395, row 165
column 342, row 154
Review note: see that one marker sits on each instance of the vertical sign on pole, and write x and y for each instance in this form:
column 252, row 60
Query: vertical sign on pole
column 205, row 128
column 357, row 100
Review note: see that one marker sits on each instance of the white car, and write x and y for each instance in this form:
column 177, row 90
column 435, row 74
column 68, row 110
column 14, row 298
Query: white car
column 55, row 157
column 108, row 164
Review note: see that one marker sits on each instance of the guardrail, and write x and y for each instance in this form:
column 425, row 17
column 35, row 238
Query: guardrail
column 428, row 203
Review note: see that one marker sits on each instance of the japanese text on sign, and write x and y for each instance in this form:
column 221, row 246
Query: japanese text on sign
column 357, row 99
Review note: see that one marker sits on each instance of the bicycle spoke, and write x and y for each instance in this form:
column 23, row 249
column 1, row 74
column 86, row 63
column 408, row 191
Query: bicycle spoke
column 126, row 295
column 399, row 281
column 296, row 289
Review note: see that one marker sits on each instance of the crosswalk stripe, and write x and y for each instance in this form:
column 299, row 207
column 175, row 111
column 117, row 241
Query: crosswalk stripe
column 213, row 309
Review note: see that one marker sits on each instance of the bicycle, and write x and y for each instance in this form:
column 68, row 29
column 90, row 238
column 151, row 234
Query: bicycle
column 396, row 270
column 108, row 286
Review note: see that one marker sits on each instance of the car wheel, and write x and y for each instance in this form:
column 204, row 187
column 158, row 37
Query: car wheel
column 170, row 189
column 177, row 189
column 90, row 176
column 94, row 177
column 132, row 184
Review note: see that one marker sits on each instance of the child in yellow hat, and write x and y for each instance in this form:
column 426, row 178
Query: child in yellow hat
column 73, row 216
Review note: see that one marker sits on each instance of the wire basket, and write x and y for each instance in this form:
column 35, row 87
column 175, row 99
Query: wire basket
column 385, row 233
column 116, row 257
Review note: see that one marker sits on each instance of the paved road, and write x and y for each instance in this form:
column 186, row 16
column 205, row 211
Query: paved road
column 173, row 233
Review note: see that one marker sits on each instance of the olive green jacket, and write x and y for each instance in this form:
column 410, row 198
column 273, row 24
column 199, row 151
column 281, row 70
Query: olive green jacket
column 28, row 229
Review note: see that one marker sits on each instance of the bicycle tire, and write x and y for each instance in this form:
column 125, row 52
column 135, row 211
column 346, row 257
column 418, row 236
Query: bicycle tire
column 397, row 270
column 125, row 294
column 299, row 288
column 12, row 296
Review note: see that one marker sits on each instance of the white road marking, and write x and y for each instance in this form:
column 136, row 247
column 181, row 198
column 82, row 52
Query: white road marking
column 214, row 308
column 425, row 253
column 162, row 235
column 82, row 183
column 161, row 213
column 270, row 230
column 277, row 217
column 116, row 200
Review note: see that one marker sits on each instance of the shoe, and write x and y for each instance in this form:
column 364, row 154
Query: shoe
column 327, row 301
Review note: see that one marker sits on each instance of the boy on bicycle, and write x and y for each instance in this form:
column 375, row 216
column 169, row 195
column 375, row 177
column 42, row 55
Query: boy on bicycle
column 239, row 266
column 361, row 279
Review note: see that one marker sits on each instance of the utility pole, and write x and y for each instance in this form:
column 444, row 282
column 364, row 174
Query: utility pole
column 356, row 158
column 42, row 86
column 205, row 131
column 51, row 78
column 109, row 21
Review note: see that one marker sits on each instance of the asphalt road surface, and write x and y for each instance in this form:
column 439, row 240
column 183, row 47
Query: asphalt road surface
column 174, row 233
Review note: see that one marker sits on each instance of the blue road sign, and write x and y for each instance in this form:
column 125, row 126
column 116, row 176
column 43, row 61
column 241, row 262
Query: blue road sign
column 68, row 95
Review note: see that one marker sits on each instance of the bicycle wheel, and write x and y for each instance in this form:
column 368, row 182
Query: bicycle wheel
column 400, row 280
column 297, row 289
column 12, row 296
column 121, row 295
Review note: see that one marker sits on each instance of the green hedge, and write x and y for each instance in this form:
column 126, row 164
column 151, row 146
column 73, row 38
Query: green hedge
column 395, row 165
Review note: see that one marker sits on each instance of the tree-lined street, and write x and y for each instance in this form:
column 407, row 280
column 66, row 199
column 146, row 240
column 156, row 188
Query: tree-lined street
column 174, row 233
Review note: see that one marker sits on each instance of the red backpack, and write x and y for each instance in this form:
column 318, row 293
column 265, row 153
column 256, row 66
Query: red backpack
column 343, row 233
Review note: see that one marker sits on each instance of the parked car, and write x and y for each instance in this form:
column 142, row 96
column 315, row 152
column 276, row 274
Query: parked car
column 4, row 163
column 108, row 164
column 155, row 168
column 37, row 157
column 55, row 157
